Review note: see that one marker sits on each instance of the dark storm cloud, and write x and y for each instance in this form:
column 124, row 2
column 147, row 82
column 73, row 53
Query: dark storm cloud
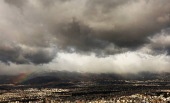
column 17, row 3
column 160, row 43
column 98, row 26
column 10, row 54
column 78, row 35
column 129, row 27
column 19, row 55
column 41, row 56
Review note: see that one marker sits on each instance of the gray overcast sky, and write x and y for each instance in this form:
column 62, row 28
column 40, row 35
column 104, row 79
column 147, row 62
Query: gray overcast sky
column 84, row 35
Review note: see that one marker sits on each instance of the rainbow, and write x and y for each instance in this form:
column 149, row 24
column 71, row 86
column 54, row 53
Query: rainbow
column 21, row 77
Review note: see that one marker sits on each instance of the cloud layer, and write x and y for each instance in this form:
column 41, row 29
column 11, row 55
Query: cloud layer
column 34, row 31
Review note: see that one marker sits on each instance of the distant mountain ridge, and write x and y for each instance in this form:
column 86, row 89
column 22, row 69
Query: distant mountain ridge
column 66, row 76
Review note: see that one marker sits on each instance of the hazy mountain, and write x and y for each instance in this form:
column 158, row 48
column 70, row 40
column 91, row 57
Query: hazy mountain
column 46, row 77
